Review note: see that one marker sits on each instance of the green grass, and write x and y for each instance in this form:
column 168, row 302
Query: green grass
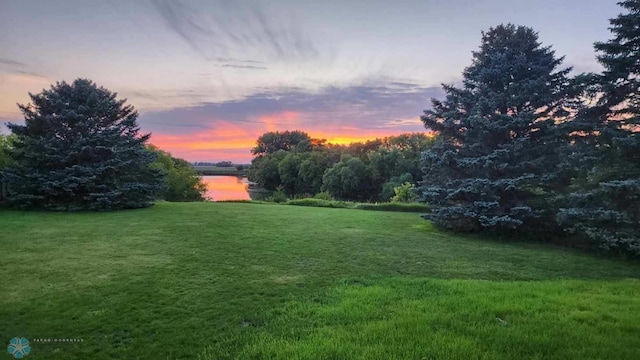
column 251, row 281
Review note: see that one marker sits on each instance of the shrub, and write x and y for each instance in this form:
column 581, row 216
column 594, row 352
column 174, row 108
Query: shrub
column 182, row 183
column 404, row 193
column 399, row 207
column 302, row 196
column 309, row 202
column 324, row 195
column 278, row 196
column 395, row 206
column 321, row 203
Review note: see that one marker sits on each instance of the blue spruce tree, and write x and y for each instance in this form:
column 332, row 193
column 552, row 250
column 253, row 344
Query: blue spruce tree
column 493, row 166
column 604, row 207
column 79, row 149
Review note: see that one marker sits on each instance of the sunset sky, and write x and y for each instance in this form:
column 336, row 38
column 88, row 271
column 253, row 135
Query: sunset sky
column 208, row 77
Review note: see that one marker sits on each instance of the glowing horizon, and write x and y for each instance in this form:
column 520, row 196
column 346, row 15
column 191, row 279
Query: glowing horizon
column 221, row 147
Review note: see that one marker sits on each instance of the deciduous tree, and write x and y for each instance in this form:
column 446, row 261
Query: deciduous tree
column 274, row 141
column 182, row 183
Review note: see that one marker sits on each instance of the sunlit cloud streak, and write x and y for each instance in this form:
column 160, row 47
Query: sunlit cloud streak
column 221, row 31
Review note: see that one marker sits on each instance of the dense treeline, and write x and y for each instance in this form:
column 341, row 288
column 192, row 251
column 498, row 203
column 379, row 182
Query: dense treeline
column 299, row 165
column 525, row 148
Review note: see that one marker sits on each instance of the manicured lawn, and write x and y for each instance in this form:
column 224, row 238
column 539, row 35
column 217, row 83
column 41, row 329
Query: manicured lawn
column 250, row 281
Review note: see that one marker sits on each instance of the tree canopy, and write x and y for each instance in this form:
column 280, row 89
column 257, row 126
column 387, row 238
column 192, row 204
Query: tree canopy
column 271, row 142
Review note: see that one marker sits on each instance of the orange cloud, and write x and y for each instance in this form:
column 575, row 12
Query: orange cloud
column 345, row 137
column 222, row 135
column 285, row 120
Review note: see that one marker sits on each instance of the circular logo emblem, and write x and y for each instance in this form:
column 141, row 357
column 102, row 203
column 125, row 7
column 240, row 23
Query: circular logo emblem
column 19, row 347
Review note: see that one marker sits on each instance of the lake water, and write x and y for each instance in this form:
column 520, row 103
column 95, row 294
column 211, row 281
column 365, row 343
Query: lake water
column 221, row 188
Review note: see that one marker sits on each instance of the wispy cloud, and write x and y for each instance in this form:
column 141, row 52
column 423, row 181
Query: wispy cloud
column 183, row 20
column 10, row 62
column 233, row 60
column 250, row 67
column 32, row 75
column 413, row 121
column 223, row 29
column 362, row 106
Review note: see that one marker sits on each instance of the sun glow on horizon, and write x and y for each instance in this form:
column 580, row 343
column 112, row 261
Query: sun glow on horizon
column 227, row 140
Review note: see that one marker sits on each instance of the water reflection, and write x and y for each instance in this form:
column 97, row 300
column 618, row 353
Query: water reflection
column 221, row 188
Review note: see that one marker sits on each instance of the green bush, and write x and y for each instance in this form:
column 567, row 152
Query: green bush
column 278, row 196
column 405, row 193
column 182, row 182
column 395, row 206
column 399, row 207
column 321, row 203
column 309, row 202
column 324, row 195
column 302, row 196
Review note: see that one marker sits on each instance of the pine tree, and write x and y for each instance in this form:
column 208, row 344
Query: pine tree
column 606, row 204
column 80, row 150
column 494, row 162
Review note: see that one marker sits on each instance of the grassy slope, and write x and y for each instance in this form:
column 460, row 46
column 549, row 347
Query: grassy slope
column 227, row 280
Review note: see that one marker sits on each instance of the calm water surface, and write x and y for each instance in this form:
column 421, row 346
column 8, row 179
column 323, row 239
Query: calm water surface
column 221, row 188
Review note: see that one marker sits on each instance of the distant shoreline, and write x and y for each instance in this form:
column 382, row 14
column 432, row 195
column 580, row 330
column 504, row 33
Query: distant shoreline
column 219, row 171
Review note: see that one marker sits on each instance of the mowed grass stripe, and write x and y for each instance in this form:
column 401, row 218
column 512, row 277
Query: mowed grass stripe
column 233, row 280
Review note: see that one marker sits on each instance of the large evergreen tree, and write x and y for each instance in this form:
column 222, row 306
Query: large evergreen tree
column 80, row 148
column 493, row 164
column 606, row 204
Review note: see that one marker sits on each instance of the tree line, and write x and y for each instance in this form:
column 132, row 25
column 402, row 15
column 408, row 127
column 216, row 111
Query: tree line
column 300, row 166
